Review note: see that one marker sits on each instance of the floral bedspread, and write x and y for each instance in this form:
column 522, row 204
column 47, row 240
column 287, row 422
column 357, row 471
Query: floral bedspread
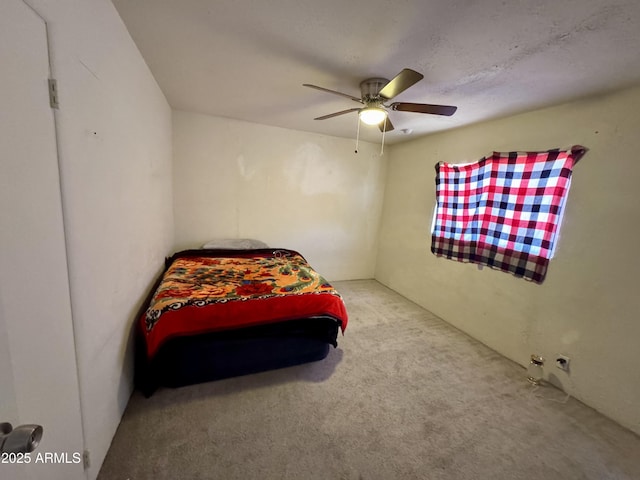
column 210, row 292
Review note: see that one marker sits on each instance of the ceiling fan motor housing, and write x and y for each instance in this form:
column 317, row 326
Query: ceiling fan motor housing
column 370, row 89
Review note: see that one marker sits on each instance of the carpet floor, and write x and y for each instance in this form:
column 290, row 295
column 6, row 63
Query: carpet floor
column 404, row 396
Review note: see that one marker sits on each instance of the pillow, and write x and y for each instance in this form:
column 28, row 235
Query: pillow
column 235, row 244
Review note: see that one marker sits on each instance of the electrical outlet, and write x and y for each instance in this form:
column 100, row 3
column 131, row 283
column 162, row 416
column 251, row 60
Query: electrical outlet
column 562, row 362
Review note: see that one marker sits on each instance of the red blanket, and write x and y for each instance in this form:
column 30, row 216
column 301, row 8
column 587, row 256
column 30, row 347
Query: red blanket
column 207, row 290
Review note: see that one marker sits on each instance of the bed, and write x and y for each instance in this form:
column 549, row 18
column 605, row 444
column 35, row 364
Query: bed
column 217, row 312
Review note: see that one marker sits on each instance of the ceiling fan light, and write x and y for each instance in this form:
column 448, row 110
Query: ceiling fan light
column 372, row 115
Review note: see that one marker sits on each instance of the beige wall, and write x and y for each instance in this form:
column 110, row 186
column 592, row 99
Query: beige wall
column 589, row 304
column 290, row 189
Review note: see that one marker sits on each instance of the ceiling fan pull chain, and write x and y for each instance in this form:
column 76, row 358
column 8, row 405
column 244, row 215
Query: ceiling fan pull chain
column 358, row 135
column 384, row 129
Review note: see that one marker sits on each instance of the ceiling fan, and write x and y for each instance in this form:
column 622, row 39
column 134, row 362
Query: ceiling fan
column 375, row 92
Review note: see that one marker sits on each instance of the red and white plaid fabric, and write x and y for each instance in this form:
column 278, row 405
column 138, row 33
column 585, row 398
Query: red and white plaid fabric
column 503, row 211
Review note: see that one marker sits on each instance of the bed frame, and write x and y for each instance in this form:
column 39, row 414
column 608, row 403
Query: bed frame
column 196, row 359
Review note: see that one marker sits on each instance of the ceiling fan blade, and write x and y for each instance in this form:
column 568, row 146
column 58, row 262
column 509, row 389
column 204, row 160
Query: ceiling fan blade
column 331, row 115
column 386, row 128
column 400, row 83
column 355, row 99
column 446, row 110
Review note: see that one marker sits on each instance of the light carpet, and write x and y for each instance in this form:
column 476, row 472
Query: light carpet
column 404, row 396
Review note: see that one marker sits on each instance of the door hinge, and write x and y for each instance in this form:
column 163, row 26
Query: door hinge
column 86, row 462
column 53, row 93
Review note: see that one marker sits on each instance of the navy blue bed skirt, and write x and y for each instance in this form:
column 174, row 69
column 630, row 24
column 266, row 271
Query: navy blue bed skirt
column 202, row 358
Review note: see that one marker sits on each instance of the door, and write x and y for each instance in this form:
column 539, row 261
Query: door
column 38, row 372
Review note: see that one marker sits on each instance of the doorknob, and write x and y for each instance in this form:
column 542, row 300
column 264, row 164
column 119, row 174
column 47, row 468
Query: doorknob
column 22, row 439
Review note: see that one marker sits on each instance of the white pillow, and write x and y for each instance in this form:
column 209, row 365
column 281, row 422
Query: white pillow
column 235, row 244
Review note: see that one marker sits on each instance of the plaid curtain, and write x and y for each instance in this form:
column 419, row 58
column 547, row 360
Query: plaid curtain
column 503, row 211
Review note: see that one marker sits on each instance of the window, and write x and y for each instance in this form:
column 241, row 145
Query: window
column 503, row 211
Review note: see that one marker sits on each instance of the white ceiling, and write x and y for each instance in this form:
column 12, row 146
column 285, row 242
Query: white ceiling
column 248, row 59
